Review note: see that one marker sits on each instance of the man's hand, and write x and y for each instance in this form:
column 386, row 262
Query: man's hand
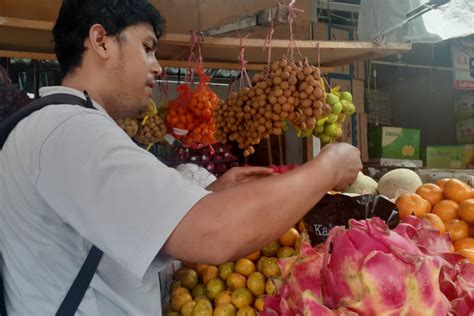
column 345, row 162
column 237, row 176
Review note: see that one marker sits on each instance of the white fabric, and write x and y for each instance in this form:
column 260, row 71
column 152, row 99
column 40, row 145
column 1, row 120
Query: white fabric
column 70, row 176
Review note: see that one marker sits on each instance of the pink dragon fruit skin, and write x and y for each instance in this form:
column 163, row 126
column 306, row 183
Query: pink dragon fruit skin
column 375, row 271
column 300, row 273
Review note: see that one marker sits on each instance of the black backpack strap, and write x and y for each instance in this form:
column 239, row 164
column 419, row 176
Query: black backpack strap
column 81, row 283
column 59, row 98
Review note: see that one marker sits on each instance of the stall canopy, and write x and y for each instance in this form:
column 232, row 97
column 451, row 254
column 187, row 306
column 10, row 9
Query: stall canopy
column 25, row 32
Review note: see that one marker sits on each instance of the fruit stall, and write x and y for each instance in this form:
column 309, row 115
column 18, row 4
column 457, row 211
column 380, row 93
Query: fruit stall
column 397, row 242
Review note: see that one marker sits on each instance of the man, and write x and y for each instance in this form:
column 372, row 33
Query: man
column 70, row 178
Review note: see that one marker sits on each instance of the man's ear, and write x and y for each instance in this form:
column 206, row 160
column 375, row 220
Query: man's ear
column 98, row 41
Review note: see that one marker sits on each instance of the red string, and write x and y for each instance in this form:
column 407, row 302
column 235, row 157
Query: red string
column 292, row 15
column 195, row 41
column 164, row 87
column 268, row 39
column 244, row 77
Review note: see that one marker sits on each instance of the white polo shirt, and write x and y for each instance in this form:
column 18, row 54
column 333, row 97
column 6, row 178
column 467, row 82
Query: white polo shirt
column 69, row 177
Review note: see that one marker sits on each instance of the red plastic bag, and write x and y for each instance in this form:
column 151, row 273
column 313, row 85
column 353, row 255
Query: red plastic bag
column 203, row 100
column 179, row 118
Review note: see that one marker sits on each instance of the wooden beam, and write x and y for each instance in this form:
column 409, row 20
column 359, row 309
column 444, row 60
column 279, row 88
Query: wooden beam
column 227, row 42
column 29, row 55
column 26, row 23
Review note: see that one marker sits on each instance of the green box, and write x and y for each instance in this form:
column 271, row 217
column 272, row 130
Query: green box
column 450, row 157
column 394, row 142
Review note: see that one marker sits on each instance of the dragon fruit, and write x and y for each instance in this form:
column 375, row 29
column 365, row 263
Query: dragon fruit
column 355, row 272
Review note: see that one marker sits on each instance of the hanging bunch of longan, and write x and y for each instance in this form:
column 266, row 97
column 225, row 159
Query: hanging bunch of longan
column 152, row 131
column 129, row 125
column 291, row 91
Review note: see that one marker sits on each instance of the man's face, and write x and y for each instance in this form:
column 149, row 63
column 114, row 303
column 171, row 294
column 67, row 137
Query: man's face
column 132, row 70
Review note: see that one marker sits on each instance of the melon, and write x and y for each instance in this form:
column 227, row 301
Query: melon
column 363, row 185
column 399, row 179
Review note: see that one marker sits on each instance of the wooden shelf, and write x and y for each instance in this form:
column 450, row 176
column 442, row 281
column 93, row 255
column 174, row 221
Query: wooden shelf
column 25, row 32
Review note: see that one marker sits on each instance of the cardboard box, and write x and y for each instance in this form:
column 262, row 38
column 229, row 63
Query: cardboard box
column 465, row 131
column 464, row 106
column 358, row 95
column 450, row 157
column 401, row 163
column 394, row 142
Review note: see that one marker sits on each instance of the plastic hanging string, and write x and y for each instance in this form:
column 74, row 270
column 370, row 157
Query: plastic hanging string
column 195, row 41
column 163, row 84
column 244, row 77
column 268, row 40
column 292, row 15
column 318, row 57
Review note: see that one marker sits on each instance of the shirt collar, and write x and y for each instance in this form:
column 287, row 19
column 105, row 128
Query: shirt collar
column 44, row 91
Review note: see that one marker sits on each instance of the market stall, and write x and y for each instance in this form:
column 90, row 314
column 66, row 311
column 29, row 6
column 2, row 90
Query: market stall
column 398, row 245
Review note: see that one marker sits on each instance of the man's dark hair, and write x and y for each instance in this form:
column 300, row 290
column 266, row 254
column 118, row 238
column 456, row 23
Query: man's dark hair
column 76, row 17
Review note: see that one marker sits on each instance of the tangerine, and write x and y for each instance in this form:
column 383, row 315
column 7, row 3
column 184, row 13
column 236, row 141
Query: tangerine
column 446, row 210
column 442, row 182
column 223, row 297
column 457, row 190
column 254, row 255
column 289, row 238
column 246, row 311
column 226, row 309
column 466, row 211
column 430, row 192
column 457, row 229
column 412, row 204
column 245, row 267
column 259, row 303
column 236, row 281
column 468, row 253
column 436, row 222
column 256, row 283
column 242, row 297
column 209, row 273
column 464, row 243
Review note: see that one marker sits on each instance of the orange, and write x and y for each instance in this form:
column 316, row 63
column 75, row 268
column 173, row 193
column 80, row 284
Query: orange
column 270, row 287
column 209, row 273
column 179, row 299
column 471, row 231
column 226, row 269
column 442, row 182
column 246, row 311
column 200, row 267
column 235, row 281
column 285, row 252
column 260, row 262
column 259, row 303
column 446, row 210
column 468, row 253
column 254, row 256
column 464, row 243
column 187, row 309
column 242, row 297
column 466, row 211
column 457, row 229
column 436, row 222
column 289, row 238
column 256, row 283
column 223, row 297
column 412, row 204
column 244, row 266
column 301, row 226
column 457, row 190
column 270, row 267
column 271, row 249
column 214, row 287
column 226, row 309
column 430, row 192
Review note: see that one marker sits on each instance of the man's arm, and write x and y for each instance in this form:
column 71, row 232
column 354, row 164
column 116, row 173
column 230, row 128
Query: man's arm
column 235, row 222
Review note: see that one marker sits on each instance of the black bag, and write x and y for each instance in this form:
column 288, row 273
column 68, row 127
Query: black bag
column 78, row 289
